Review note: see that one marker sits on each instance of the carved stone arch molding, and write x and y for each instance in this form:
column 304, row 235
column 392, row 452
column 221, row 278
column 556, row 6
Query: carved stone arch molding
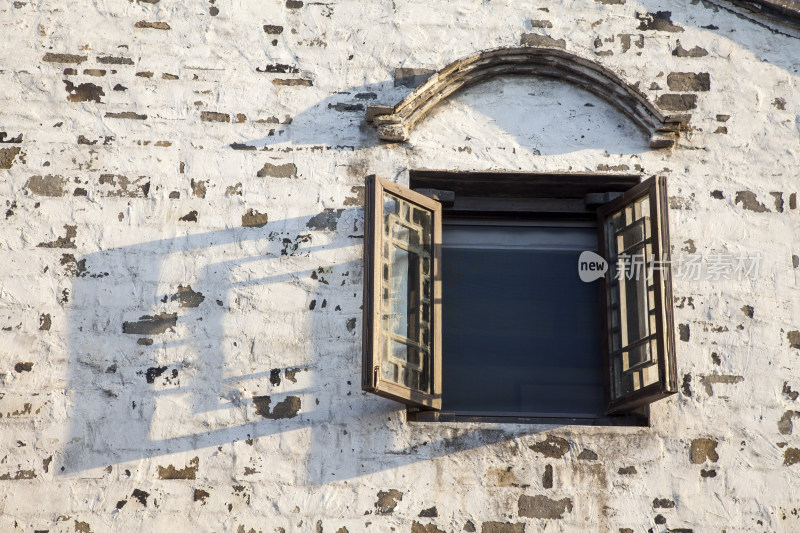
column 395, row 122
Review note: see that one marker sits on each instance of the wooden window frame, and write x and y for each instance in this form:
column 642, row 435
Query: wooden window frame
column 430, row 403
column 373, row 244
column 666, row 385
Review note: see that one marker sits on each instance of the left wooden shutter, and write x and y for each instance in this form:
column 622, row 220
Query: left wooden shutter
column 402, row 295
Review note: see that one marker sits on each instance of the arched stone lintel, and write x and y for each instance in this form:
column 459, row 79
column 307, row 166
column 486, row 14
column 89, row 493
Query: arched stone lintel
column 395, row 122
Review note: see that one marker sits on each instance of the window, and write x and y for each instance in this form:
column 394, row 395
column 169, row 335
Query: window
column 474, row 308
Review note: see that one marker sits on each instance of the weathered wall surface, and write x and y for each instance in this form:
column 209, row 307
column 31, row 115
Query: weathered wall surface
column 181, row 266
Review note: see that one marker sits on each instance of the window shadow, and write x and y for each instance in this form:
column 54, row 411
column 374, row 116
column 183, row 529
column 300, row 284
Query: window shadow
column 229, row 336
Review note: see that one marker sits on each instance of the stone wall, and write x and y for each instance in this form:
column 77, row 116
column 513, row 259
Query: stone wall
column 180, row 297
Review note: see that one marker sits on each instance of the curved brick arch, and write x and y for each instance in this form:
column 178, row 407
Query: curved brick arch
column 395, row 122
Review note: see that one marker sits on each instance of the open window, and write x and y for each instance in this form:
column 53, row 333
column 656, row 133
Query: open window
column 474, row 309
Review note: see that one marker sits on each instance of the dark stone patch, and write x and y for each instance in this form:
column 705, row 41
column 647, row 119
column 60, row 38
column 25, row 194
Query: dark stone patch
column 254, row 219
column 7, row 156
column 545, row 41
column 794, row 339
column 121, row 504
column 552, row 447
column 663, row 503
column 288, row 408
column 82, row 527
column 188, row 472
column 213, row 11
column 416, row 527
column 659, row 519
column 126, row 115
column 795, row 261
column 611, row 2
column 429, row 513
column 721, row 130
column 111, row 60
column 541, row 23
column 469, row 527
column 141, row 496
column 199, row 188
column 12, row 140
column 120, row 87
column 68, row 241
column 168, row 76
column 791, row 456
column 358, row 198
column 748, row 310
column 187, row 297
column 213, row 116
column 72, row 266
column 291, row 374
column 292, row 82
column 327, row 220
column 144, row 74
column 144, row 341
column 708, row 473
column 677, row 102
column 191, row 216
column 153, row 372
column 272, row 29
column 294, row 4
column 83, row 140
column 687, row 385
column 717, row 194
column 366, row 96
column 200, row 495
column 275, row 376
column 350, row 324
column 688, row 81
column 50, row 57
column 23, row 367
column 85, row 92
column 543, row 507
column 45, row 321
column 502, row 527
column 708, row 381
column 690, row 246
column 387, row 501
column 287, row 170
column 787, row 390
column 779, row 103
column 793, row 201
column 658, row 21
column 785, row 422
column 547, row 477
column 312, row 305
column 702, row 449
column 241, row 146
column 20, row 474
column 411, row 77
column 95, row 72
column 279, row 68
column 749, row 201
column 683, row 332
column 151, row 325
column 346, row 107
column 587, row 455
column 152, row 25
column 696, row 51
column 627, row 471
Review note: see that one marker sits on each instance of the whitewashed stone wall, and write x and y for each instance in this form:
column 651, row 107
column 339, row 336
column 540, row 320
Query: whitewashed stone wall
column 181, row 282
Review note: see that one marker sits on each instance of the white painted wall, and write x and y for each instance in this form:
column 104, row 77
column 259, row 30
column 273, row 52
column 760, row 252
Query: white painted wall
column 88, row 443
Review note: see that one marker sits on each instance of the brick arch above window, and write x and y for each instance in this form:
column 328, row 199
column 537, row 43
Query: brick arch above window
column 395, row 122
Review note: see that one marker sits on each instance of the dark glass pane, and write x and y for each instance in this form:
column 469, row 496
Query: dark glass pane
column 521, row 331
